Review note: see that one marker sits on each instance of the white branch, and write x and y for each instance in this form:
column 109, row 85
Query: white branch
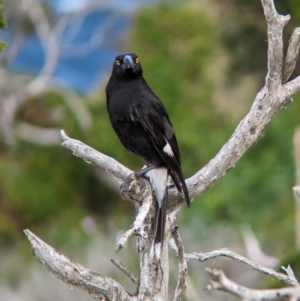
column 296, row 189
column 276, row 24
column 292, row 87
column 290, row 273
column 97, row 38
column 254, row 265
column 127, row 272
column 90, row 155
column 46, row 35
column 95, row 284
column 220, row 282
column 182, row 266
column 37, row 135
column 140, row 222
column 292, row 55
column 254, row 250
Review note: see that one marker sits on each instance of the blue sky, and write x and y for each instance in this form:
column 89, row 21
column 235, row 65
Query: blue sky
column 73, row 5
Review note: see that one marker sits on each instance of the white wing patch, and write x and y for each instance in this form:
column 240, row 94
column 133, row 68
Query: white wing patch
column 168, row 149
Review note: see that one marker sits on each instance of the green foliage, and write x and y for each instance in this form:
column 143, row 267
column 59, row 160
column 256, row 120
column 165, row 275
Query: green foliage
column 41, row 185
column 2, row 21
column 2, row 25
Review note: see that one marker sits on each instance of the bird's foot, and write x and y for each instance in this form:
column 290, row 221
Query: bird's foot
column 144, row 170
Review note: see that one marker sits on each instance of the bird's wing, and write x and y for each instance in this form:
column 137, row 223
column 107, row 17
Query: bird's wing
column 156, row 123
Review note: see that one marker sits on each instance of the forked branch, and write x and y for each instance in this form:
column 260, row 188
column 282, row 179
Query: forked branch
column 288, row 278
column 219, row 281
column 97, row 285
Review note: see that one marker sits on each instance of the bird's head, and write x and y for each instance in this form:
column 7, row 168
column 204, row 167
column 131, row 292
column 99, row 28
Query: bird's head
column 127, row 66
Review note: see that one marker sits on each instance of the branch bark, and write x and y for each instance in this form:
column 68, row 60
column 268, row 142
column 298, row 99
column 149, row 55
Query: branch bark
column 73, row 274
column 126, row 271
column 90, row 155
column 254, row 265
column 292, row 55
column 220, row 282
column 296, row 189
column 182, row 266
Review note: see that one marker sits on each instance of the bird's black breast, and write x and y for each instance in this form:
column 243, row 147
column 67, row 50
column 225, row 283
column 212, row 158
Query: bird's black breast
column 121, row 96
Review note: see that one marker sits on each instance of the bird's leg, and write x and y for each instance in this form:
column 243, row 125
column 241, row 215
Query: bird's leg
column 170, row 185
column 144, row 170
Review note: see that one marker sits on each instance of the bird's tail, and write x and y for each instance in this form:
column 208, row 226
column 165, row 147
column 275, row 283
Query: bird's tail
column 179, row 181
column 158, row 178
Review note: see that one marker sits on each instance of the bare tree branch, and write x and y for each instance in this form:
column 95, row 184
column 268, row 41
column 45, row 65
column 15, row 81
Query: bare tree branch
column 90, row 155
column 154, row 270
column 296, row 189
column 97, row 38
column 290, row 273
column 95, row 284
column 292, row 55
column 183, row 268
column 276, row 24
column 37, row 135
column 128, row 273
column 140, row 191
column 254, row 250
column 292, row 87
column 220, row 282
column 254, row 265
column 46, row 35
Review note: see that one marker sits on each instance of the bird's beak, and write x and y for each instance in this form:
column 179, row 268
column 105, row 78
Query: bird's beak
column 127, row 62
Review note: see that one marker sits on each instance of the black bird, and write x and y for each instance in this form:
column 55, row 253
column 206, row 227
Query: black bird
column 143, row 126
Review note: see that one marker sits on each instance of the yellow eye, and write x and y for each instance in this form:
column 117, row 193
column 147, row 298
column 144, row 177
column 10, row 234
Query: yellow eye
column 136, row 60
column 118, row 62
